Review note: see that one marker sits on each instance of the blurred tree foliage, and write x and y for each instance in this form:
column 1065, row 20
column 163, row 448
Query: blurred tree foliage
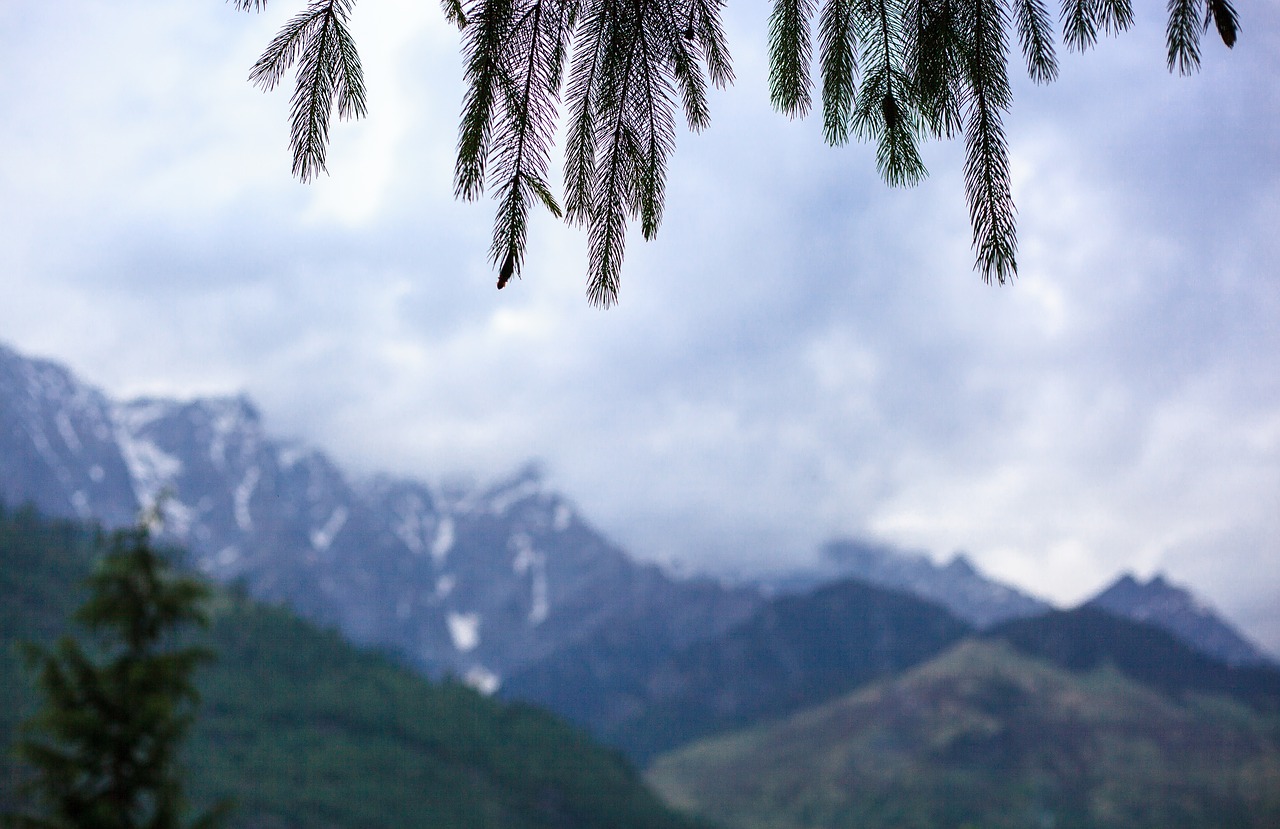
column 894, row 72
column 118, row 701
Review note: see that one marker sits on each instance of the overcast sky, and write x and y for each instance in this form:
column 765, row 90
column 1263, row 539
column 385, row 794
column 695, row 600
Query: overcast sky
column 803, row 353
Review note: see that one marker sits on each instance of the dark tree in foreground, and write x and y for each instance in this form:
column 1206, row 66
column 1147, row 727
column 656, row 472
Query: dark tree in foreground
column 894, row 72
column 117, row 707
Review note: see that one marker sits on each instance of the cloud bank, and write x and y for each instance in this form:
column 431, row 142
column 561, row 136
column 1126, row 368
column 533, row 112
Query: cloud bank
column 802, row 353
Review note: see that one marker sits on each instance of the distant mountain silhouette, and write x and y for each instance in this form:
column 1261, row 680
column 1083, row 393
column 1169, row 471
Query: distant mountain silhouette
column 1089, row 637
column 957, row 585
column 645, row 697
column 1174, row 608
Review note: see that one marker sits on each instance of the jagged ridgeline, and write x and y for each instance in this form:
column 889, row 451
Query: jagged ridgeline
column 304, row 730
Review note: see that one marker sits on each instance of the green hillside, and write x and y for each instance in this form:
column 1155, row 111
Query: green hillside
column 794, row 652
column 304, row 730
column 984, row 736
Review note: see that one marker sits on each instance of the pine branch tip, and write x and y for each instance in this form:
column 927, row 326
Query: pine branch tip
column 507, row 271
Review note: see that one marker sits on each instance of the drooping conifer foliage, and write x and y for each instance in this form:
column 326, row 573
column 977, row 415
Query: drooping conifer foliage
column 893, row 72
column 118, row 703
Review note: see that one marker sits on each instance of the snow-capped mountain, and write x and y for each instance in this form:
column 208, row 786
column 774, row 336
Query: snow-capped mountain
column 957, row 585
column 1174, row 608
column 475, row 582
column 58, row 444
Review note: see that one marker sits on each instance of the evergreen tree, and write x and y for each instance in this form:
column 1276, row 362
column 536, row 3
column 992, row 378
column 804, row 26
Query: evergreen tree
column 893, row 72
column 117, row 707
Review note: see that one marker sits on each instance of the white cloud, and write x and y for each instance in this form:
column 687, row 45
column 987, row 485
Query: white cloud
column 801, row 353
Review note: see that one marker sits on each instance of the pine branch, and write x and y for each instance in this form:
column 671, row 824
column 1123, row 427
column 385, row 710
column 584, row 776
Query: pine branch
column 708, row 33
column 615, row 191
column 1079, row 24
column 312, row 100
column 1035, row 34
column 1114, row 16
column 454, row 13
column 988, row 186
column 526, row 126
column 1183, row 36
column 485, row 57
column 656, row 127
column 790, row 52
column 282, row 52
column 318, row 41
column 886, row 107
column 1223, row 15
column 675, row 46
column 351, row 92
column 837, row 54
column 891, row 70
column 933, row 61
column 584, row 80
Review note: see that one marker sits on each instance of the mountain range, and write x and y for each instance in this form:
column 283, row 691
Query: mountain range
column 485, row 582
column 879, row 689
column 473, row 583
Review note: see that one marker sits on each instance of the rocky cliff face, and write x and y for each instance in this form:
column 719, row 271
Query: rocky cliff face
column 474, row 583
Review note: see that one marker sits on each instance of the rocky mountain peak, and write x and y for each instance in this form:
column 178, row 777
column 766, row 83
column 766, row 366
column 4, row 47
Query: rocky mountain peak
column 464, row 579
column 1161, row 602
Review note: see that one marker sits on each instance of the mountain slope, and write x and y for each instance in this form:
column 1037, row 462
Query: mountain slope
column 304, row 730
column 984, row 736
column 1088, row 638
column 1174, row 608
column 475, row 582
column 646, row 697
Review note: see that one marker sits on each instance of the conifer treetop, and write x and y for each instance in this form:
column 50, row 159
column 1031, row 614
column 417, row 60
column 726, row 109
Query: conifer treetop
column 118, row 701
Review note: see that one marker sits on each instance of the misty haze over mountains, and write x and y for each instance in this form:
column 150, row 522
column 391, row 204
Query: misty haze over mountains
column 481, row 582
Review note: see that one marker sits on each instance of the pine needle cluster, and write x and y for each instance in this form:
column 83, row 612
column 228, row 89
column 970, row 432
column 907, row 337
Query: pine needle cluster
column 892, row 72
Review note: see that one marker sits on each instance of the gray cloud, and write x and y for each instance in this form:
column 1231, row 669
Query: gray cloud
column 802, row 352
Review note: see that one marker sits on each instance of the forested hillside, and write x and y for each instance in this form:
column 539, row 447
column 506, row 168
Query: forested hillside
column 304, row 730
column 985, row 736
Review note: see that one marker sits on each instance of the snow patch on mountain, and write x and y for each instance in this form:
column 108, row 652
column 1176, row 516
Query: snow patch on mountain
column 150, row 467
column 68, row 432
column 322, row 538
column 483, row 680
column 443, row 541
column 242, row 495
column 464, row 631
column 529, row 561
column 503, row 500
column 563, row 517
